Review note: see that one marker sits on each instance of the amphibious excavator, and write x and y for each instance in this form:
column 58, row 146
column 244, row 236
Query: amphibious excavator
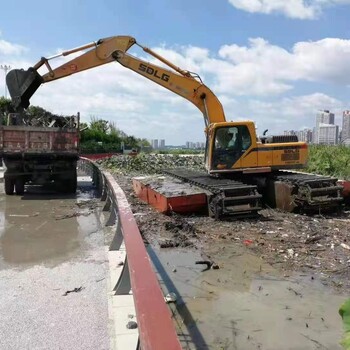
column 242, row 170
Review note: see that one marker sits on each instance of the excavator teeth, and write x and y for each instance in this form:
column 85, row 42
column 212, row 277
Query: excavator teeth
column 22, row 84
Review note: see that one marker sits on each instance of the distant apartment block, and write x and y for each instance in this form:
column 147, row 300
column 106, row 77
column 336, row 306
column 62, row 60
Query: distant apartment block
column 162, row 144
column 155, row 144
column 324, row 117
column 303, row 135
column 345, row 133
column 327, row 134
column 195, row 145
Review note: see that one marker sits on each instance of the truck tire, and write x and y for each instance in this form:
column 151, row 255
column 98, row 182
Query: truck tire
column 73, row 181
column 68, row 183
column 9, row 185
column 19, row 185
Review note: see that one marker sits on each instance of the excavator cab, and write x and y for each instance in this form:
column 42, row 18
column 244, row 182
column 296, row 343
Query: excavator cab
column 229, row 144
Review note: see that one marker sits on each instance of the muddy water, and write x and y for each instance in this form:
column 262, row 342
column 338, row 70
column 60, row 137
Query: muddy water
column 247, row 304
column 51, row 244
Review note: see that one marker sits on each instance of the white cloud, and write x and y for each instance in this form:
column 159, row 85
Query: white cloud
column 7, row 48
column 288, row 113
column 301, row 9
column 263, row 69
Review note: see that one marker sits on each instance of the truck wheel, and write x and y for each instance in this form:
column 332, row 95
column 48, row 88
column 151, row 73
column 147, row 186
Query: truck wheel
column 74, row 185
column 67, row 184
column 9, row 185
column 19, row 185
column 73, row 181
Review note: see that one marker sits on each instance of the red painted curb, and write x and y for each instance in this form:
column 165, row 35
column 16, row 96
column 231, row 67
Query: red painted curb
column 156, row 328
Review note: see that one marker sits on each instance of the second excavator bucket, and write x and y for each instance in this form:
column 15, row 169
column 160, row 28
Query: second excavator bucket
column 22, row 84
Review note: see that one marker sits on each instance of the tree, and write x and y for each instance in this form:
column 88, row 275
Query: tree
column 38, row 112
column 131, row 141
column 144, row 143
column 5, row 106
column 99, row 125
column 83, row 125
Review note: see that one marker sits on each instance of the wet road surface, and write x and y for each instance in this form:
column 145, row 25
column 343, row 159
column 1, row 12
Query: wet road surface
column 247, row 304
column 50, row 245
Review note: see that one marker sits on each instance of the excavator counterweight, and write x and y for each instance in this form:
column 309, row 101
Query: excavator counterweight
column 22, row 85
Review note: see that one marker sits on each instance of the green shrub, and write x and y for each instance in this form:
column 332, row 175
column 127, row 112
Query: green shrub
column 329, row 160
column 344, row 312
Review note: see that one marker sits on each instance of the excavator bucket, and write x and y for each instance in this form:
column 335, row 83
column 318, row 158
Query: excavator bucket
column 22, row 84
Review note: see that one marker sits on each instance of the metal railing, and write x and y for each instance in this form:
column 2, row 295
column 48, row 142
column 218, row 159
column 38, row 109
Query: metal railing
column 154, row 319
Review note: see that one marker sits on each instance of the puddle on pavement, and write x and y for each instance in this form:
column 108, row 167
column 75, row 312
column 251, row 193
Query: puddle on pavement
column 41, row 227
column 247, row 304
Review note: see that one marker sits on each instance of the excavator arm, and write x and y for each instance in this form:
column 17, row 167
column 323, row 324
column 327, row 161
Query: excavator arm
column 23, row 84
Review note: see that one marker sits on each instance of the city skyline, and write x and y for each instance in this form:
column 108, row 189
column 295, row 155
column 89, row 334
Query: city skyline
column 325, row 131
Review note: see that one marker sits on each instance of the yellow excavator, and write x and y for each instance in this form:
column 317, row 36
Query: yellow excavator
column 241, row 167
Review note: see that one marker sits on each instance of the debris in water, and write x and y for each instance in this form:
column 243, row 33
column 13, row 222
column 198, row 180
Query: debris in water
column 205, row 262
column 295, row 292
column 345, row 246
column 170, row 298
column 71, row 215
column 131, row 325
column 75, row 290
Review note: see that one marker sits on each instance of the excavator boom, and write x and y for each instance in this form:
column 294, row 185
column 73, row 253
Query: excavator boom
column 22, row 84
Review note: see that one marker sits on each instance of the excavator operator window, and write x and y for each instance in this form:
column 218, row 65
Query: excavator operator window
column 229, row 145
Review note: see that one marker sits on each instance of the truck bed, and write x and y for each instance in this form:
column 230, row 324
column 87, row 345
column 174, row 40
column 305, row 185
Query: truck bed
column 37, row 140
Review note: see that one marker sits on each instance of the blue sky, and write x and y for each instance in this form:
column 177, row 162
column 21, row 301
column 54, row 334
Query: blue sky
column 272, row 61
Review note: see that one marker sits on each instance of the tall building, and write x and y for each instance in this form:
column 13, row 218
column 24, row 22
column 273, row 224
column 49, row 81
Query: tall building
column 328, row 134
column 155, row 144
column 162, row 144
column 324, row 118
column 345, row 133
column 305, row 135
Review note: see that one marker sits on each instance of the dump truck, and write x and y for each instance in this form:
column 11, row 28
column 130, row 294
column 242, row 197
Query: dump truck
column 38, row 151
